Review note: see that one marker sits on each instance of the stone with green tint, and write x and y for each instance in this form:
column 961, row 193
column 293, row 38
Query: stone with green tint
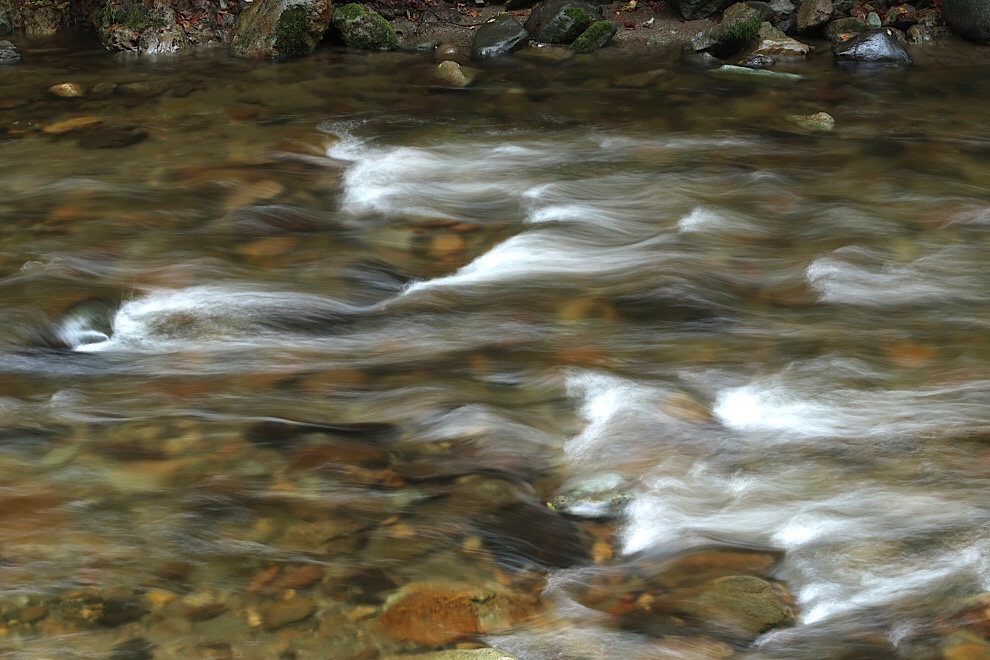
column 596, row 36
column 730, row 72
column 5, row 26
column 560, row 21
column 364, row 29
column 278, row 29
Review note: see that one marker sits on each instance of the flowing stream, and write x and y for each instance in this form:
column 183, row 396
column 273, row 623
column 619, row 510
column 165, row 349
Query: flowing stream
column 326, row 304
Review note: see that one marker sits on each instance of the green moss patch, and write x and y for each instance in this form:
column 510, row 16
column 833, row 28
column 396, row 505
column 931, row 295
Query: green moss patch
column 292, row 33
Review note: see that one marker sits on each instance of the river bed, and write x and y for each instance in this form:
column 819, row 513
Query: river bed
column 329, row 334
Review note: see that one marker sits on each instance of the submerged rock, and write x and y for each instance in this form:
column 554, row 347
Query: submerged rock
column 438, row 613
column 820, row 122
column 970, row 18
column 560, row 21
column 596, row 36
column 271, row 29
column 67, row 90
column 730, row 72
column 451, row 73
column 499, row 37
column 876, row 47
column 362, row 28
column 113, row 137
column 602, row 495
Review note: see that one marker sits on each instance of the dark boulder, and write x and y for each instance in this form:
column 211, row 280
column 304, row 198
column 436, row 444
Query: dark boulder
column 874, row 47
column 970, row 18
column 560, row 21
column 692, row 9
column 500, row 37
column 5, row 26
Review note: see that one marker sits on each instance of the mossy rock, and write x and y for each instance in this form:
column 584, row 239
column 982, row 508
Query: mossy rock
column 560, row 21
column 5, row 26
column 292, row 37
column 595, row 37
column 365, row 29
column 274, row 29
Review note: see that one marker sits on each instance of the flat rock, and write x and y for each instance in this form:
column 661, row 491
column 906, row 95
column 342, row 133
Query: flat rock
column 438, row 613
column 68, row 125
column 731, row 72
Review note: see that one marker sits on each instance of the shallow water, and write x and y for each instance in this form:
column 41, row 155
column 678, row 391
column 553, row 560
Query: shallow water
column 778, row 340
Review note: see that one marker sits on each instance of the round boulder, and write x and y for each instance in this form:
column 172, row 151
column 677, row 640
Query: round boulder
column 970, row 18
column 8, row 53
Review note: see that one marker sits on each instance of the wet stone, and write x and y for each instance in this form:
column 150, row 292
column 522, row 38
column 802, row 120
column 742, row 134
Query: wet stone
column 283, row 613
column 876, row 47
column 133, row 649
column 67, row 90
column 8, row 52
column 33, row 613
column 602, row 495
column 438, row 613
column 113, row 137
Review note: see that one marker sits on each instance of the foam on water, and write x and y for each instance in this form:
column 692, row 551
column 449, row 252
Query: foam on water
column 213, row 316
column 859, row 276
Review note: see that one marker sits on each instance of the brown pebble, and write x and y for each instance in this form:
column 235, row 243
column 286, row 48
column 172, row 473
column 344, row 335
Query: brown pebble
column 444, row 245
column 300, row 577
column 203, row 612
column 601, row 552
column 281, row 613
column 33, row 613
column 68, row 125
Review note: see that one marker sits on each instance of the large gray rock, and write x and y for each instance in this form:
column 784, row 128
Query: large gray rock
column 271, row 29
column 501, row 36
column 875, row 47
column 813, row 14
column 970, row 18
column 692, row 9
column 560, row 21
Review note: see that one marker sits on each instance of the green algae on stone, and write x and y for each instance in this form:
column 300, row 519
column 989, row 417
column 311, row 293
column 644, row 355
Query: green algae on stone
column 365, row 29
column 292, row 38
column 741, row 32
column 596, row 36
